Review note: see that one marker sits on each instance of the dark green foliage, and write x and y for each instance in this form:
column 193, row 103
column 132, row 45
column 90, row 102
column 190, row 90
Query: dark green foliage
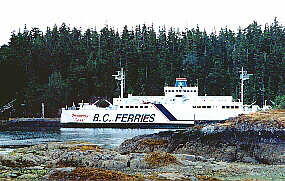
column 280, row 102
column 64, row 65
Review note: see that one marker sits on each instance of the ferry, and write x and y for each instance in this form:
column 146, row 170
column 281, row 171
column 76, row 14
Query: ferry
column 179, row 107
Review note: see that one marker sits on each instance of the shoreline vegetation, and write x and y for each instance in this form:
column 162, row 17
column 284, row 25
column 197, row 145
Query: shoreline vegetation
column 248, row 147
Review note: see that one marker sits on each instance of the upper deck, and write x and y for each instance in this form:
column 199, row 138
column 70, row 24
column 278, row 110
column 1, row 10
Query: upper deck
column 179, row 93
column 180, row 89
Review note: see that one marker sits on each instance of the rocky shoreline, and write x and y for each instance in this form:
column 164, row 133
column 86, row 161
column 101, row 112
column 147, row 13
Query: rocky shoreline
column 248, row 147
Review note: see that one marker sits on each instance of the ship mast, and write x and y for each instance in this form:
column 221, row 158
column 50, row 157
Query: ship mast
column 242, row 85
column 244, row 76
column 121, row 77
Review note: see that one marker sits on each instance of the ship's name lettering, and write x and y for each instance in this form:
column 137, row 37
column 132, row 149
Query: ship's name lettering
column 79, row 117
column 125, row 118
column 135, row 118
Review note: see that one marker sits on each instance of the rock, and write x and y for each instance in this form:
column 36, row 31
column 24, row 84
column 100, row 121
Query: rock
column 219, row 168
column 200, row 158
column 210, row 129
column 114, row 165
column 138, row 163
column 192, row 178
column 212, row 160
column 35, row 168
column 28, row 177
column 137, row 160
column 123, row 158
column 198, row 167
column 269, row 154
column 189, row 157
column 248, row 159
column 13, row 175
column 171, row 176
column 65, row 170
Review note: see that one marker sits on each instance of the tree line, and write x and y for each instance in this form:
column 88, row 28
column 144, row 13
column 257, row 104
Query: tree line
column 64, row 65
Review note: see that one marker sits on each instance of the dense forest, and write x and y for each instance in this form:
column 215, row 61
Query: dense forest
column 63, row 65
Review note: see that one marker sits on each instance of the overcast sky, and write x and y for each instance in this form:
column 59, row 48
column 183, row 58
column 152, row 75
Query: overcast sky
column 208, row 14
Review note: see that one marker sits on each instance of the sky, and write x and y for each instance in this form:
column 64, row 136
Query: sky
column 211, row 15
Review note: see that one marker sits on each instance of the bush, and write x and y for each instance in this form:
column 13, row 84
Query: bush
column 280, row 102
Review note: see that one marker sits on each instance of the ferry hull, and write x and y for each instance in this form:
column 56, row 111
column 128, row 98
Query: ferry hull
column 149, row 117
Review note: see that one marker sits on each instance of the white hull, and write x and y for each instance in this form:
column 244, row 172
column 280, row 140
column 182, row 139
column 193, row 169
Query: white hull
column 120, row 116
column 169, row 114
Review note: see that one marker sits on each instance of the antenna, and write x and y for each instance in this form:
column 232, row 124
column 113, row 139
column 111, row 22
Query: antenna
column 121, row 77
column 120, row 61
column 243, row 76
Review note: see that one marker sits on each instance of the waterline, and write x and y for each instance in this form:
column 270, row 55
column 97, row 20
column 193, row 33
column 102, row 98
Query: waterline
column 105, row 137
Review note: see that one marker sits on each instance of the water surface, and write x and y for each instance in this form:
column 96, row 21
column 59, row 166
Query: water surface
column 105, row 137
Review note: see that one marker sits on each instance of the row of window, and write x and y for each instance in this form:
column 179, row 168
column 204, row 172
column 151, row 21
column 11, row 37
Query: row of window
column 134, row 106
column 180, row 91
column 223, row 107
column 230, row 107
column 203, row 107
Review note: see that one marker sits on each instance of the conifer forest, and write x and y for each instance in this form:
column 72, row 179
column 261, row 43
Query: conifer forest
column 62, row 65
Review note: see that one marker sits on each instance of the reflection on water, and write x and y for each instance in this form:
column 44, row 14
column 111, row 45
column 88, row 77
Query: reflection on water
column 105, row 137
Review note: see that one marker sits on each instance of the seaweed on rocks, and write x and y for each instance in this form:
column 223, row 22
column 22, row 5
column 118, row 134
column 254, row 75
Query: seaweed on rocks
column 247, row 138
column 156, row 159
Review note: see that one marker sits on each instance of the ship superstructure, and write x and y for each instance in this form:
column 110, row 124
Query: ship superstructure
column 180, row 106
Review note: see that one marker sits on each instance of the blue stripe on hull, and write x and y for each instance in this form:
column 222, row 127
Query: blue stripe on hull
column 165, row 112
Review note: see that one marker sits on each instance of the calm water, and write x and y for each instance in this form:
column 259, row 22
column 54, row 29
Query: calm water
column 105, row 137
